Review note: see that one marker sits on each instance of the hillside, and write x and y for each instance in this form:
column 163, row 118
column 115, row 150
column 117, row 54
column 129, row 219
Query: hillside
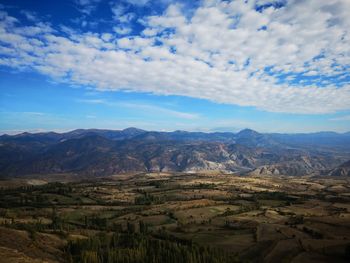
column 342, row 170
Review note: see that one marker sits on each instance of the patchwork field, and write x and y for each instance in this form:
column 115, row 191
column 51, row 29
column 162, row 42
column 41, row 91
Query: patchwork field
column 250, row 219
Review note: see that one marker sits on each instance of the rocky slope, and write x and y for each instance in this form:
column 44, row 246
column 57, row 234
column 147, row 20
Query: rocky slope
column 342, row 170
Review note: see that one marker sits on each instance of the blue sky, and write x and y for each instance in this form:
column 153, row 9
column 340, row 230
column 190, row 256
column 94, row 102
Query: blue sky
column 169, row 65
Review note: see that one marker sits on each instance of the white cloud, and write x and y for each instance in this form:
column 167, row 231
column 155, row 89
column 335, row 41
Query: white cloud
column 106, row 37
column 118, row 10
column 145, row 108
column 120, row 13
column 219, row 53
column 87, row 6
column 341, row 118
column 127, row 18
column 159, row 110
column 137, row 2
column 33, row 113
column 31, row 16
column 93, row 101
column 122, row 30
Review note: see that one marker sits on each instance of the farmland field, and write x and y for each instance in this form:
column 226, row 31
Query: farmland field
column 247, row 219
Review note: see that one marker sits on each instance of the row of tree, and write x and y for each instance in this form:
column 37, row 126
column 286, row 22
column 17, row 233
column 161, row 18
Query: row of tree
column 141, row 248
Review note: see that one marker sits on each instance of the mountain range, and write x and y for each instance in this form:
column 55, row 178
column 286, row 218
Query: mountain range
column 96, row 152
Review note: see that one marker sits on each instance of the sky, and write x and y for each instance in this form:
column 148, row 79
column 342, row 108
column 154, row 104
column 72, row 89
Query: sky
column 268, row 65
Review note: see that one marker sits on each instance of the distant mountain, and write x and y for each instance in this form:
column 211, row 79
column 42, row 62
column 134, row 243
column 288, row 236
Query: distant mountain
column 319, row 140
column 187, row 136
column 252, row 138
column 104, row 152
column 110, row 134
column 342, row 170
column 245, row 137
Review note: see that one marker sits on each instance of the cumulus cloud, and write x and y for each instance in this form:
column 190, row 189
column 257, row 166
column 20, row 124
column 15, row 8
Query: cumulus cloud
column 271, row 55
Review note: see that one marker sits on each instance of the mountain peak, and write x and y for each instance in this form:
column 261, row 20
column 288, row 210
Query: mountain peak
column 247, row 132
column 180, row 131
column 23, row 134
column 133, row 130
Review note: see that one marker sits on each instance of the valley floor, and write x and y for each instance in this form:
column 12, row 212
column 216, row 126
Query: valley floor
column 231, row 218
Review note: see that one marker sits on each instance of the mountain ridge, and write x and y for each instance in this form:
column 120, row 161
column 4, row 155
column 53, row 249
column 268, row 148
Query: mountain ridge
column 104, row 152
column 245, row 130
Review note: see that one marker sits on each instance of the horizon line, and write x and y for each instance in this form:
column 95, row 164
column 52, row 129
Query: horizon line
column 63, row 131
